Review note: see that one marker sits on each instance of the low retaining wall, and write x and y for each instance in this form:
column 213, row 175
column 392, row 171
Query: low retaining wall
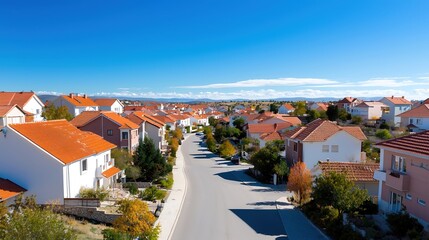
column 90, row 213
column 84, row 202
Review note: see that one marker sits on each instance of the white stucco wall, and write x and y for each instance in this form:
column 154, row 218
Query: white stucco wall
column 155, row 134
column 35, row 106
column 31, row 167
column 13, row 116
column 349, row 149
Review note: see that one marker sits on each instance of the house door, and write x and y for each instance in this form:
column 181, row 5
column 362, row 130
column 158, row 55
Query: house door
column 395, row 202
column 98, row 183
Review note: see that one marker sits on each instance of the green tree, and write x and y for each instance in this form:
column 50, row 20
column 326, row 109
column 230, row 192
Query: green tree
column 383, row 134
column 274, row 107
column 313, row 115
column 323, row 115
column 219, row 133
column 211, row 143
column 265, row 160
column 213, row 121
column 150, row 161
column 239, row 123
column 232, row 132
column 334, row 189
column 29, row 221
column 133, row 172
column 343, row 115
column 178, row 133
column 281, row 169
column 53, row 113
column 300, row 109
column 357, row 120
column 226, row 149
column 136, row 220
column 332, row 112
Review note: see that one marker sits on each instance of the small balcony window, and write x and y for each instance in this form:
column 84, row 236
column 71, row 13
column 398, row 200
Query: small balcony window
column 421, row 202
column 398, row 164
column 84, row 166
column 124, row 135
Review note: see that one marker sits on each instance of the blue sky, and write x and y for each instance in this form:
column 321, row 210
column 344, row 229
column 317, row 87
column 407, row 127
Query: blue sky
column 219, row 49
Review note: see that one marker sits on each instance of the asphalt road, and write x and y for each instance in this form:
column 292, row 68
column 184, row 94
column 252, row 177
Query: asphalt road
column 222, row 202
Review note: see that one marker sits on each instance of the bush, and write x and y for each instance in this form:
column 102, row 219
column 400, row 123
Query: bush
column 132, row 187
column 368, row 208
column 384, row 126
column 171, row 160
column 100, row 193
column 153, row 193
column 168, row 181
column 402, row 224
column 383, row 134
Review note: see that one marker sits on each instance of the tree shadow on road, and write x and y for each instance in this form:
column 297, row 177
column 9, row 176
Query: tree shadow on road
column 266, row 203
column 203, row 155
column 240, row 175
column 262, row 221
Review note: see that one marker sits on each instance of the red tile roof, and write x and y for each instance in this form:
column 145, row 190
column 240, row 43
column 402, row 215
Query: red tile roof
column 9, row 189
column 63, row 140
column 110, row 172
column 267, row 128
column 18, row 98
column 414, row 143
column 165, row 119
column 4, row 110
column 319, row 130
column 288, row 106
column 398, row 100
column 139, row 117
column 88, row 116
column 347, row 100
column 271, row 136
column 356, row 172
column 105, row 101
column 421, row 111
column 80, row 101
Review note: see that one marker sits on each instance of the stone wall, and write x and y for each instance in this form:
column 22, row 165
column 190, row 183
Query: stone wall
column 90, row 213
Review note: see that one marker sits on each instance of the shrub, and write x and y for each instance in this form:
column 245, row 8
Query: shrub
column 168, row 181
column 153, row 193
column 171, row 160
column 132, row 187
column 402, row 224
column 383, row 134
column 368, row 208
column 100, row 193
column 384, row 126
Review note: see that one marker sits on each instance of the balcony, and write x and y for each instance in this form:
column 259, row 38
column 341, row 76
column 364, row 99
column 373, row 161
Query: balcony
column 399, row 181
column 380, row 175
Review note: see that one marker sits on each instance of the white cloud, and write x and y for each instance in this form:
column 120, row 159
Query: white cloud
column 266, row 83
column 383, row 82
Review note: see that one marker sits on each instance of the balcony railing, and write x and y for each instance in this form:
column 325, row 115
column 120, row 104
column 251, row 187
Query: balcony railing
column 398, row 180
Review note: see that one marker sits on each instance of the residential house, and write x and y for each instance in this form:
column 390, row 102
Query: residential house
column 168, row 120
column 396, row 106
column 151, row 127
column 360, row 173
column 286, row 108
column 404, row 175
column 416, row 119
column 27, row 101
column 200, row 120
column 318, row 106
column 129, row 109
column 266, row 132
column 76, row 104
column 110, row 104
column 9, row 190
column 348, row 103
column 369, row 110
column 182, row 120
column 53, row 160
column 111, row 126
column 324, row 140
column 10, row 114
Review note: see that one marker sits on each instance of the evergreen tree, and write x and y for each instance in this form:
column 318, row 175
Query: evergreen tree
column 150, row 161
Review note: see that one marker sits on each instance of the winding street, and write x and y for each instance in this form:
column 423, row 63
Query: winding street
column 222, row 202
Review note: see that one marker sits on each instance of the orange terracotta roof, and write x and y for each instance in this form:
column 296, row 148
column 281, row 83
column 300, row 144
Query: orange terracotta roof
column 110, row 172
column 420, row 111
column 288, row 106
column 4, row 110
column 356, row 172
column 105, row 101
column 165, row 119
column 347, row 100
column 80, row 101
column 320, row 130
column 271, row 136
column 267, row 128
column 414, row 143
column 139, row 117
column 179, row 116
column 398, row 100
column 63, row 140
column 18, row 98
column 9, row 189
column 88, row 116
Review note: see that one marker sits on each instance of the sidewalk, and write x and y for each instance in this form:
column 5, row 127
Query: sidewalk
column 171, row 212
column 296, row 224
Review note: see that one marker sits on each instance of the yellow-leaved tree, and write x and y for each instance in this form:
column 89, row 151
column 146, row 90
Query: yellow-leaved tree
column 226, row 149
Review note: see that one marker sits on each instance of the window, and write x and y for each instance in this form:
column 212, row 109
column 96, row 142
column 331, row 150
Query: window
column 421, row 202
column 398, row 164
column 411, row 121
column 84, row 166
column 124, row 135
column 419, row 121
column 295, row 146
column 408, row 196
column 325, row 148
column 109, row 132
column 334, row 148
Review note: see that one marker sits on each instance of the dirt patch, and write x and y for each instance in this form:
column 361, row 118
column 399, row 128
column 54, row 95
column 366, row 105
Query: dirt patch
column 85, row 229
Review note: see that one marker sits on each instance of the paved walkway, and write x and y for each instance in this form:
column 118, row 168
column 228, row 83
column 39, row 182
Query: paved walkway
column 171, row 212
column 296, row 224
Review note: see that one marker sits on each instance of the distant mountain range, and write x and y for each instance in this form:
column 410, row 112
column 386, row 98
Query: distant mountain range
column 45, row 98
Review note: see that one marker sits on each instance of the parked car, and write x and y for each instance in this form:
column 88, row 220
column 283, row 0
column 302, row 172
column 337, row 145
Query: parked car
column 235, row 159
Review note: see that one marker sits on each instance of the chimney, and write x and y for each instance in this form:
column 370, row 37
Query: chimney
column 71, row 95
column 84, row 96
column 392, row 96
column 403, row 97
